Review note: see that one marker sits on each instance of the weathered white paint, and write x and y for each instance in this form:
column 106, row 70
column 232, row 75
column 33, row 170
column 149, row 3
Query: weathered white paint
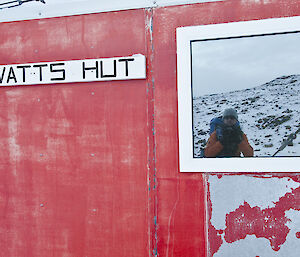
column 252, row 246
column 229, row 192
column 57, row 8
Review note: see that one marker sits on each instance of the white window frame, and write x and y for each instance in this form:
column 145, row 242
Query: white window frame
column 184, row 36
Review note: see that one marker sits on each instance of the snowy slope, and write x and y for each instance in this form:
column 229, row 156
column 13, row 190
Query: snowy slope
column 268, row 114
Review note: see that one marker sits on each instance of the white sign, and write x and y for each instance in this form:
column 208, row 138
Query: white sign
column 121, row 68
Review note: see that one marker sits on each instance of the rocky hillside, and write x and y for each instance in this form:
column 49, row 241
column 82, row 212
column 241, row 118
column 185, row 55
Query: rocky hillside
column 268, row 114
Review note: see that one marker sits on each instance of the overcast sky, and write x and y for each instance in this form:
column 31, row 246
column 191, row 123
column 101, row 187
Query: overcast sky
column 230, row 64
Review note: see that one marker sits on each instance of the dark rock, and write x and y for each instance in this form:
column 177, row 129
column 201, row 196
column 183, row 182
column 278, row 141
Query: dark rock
column 268, row 145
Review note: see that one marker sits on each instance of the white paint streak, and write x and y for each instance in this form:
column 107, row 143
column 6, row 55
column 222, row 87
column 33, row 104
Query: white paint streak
column 170, row 220
column 256, row 1
column 16, row 42
column 13, row 147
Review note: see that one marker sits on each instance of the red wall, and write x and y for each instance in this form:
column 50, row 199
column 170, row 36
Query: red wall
column 91, row 169
column 74, row 157
column 181, row 205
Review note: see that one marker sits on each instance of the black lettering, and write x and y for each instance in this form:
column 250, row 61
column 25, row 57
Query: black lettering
column 23, row 67
column 63, row 75
column 108, row 76
column 40, row 66
column 126, row 64
column 11, row 75
column 90, row 68
column 2, row 76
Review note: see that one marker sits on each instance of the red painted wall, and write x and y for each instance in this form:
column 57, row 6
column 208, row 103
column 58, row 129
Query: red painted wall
column 181, row 208
column 91, row 169
column 74, row 157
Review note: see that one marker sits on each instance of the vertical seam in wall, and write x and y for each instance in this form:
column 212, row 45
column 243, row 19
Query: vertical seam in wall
column 205, row 177
column 152, row 181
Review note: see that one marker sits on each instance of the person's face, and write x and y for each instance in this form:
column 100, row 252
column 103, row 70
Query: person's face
column 229, row 120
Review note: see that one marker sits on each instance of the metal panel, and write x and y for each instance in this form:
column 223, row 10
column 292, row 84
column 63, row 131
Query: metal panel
column 181, row 197
column 74, row 157
column 180, row 204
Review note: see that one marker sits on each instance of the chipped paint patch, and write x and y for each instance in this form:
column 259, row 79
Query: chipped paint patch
column 253, row 209
column 230, row 192
column 252, row 246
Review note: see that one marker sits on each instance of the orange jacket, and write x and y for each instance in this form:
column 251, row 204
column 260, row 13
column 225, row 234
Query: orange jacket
column 214, row 147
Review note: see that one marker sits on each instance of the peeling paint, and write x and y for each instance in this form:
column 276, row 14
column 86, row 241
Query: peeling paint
column 234, row 199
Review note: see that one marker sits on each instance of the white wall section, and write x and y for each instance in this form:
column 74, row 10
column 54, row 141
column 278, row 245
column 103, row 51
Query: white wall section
column 56, row 8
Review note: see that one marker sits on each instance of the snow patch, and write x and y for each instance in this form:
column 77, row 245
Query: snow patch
column 268, row 114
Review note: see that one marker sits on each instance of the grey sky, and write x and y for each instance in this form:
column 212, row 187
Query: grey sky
column 230, row 64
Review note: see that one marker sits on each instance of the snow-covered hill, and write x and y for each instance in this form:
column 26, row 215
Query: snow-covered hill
column 268, row 114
